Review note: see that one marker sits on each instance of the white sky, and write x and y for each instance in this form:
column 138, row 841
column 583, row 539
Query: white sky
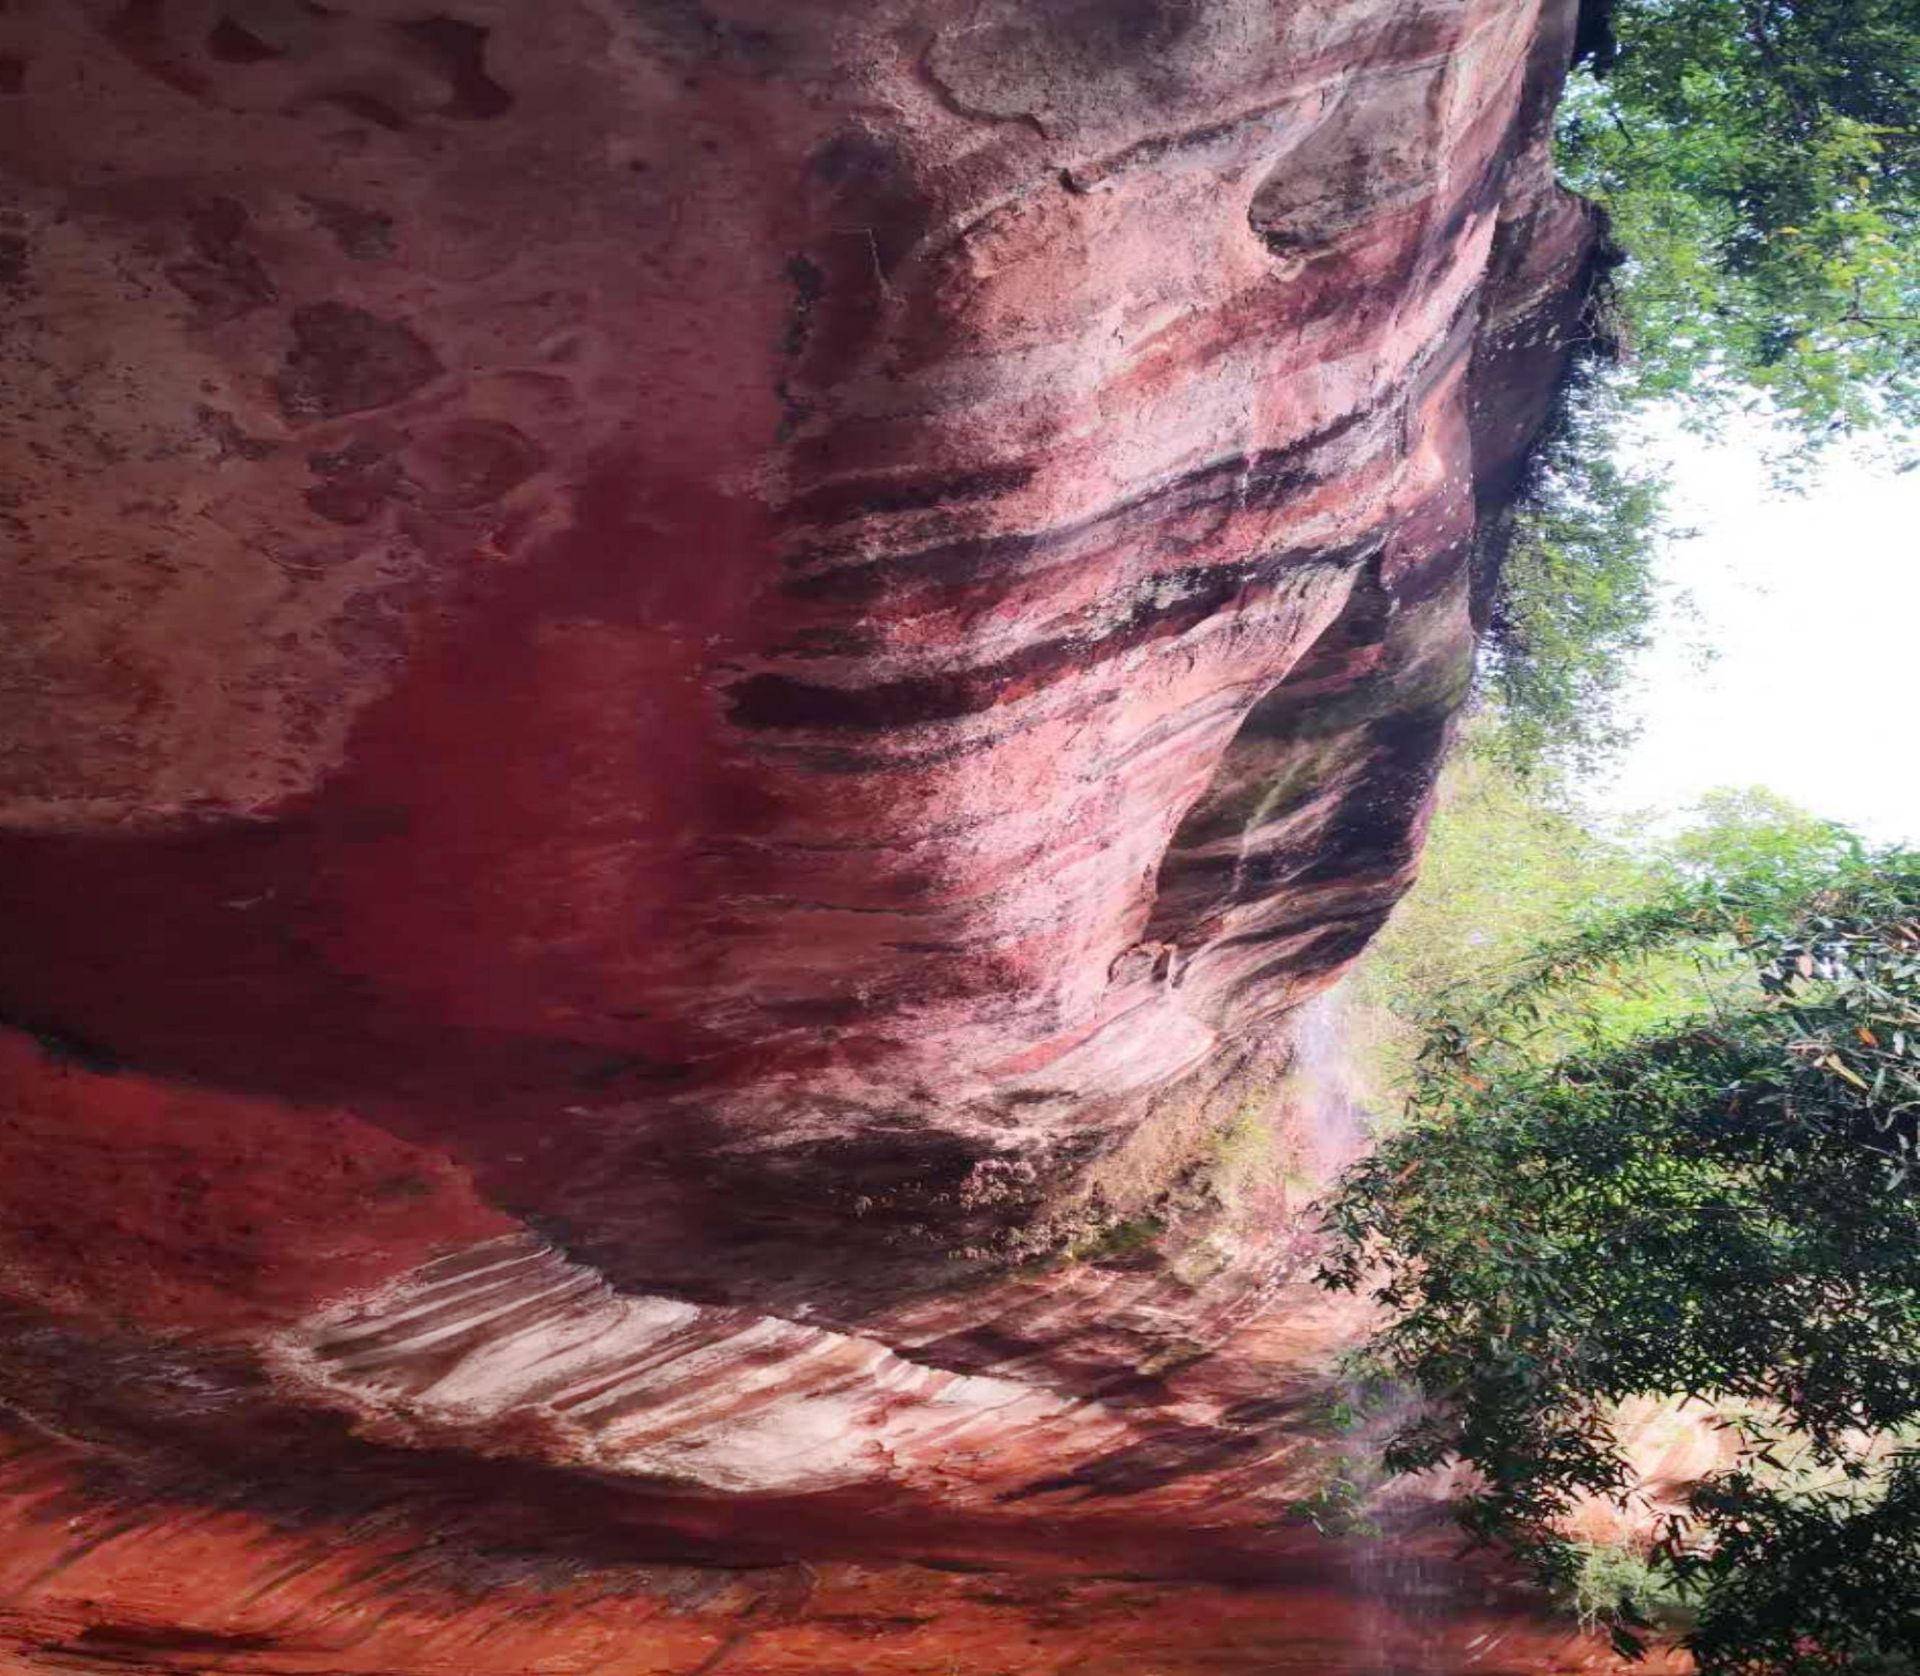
column 1811, row 605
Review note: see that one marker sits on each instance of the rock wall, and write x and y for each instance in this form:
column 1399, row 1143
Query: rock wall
column 689, row 688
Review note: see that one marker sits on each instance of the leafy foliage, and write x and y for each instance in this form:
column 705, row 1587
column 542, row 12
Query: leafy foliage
column 1577, row 596
column 1750, row 833
column 1611, row 1578
column 1759, row 165
column 1504, row 868
column 1724, row 1208
column 1757, row 159
column 1510, row 866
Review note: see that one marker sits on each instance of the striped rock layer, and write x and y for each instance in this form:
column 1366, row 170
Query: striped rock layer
column 691, row 689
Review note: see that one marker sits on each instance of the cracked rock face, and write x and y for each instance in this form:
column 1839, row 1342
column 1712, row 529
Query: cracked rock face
column 689, row 688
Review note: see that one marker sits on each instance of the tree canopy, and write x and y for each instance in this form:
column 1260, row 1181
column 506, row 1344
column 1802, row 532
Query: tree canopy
column 1759, row 165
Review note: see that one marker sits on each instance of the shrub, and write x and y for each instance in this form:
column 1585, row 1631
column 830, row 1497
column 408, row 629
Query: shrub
column 1723, row 1207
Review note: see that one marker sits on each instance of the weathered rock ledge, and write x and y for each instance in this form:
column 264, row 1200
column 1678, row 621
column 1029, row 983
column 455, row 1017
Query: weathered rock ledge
column 689, row 688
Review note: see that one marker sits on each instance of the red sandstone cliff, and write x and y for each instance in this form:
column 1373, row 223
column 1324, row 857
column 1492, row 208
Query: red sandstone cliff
column 688, row 687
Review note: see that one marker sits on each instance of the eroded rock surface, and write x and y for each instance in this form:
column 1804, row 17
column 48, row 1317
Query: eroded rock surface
column 688, row 689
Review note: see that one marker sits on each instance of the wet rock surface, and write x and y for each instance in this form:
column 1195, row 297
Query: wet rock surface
column 688, row 690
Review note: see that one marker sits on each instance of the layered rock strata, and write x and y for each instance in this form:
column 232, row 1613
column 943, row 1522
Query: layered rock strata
column 689, row 689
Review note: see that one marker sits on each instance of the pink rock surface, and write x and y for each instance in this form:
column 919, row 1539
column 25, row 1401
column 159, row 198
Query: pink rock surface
column 688, row 687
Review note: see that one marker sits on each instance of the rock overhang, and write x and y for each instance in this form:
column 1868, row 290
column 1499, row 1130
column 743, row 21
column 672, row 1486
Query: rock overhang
column 755, row 649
